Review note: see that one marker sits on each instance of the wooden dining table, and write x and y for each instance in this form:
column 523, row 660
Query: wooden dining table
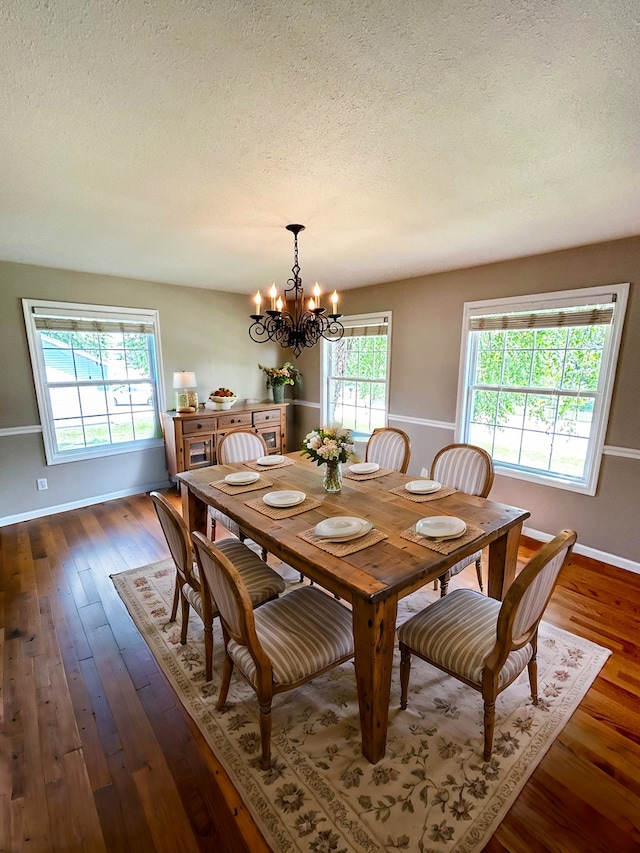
column 373, row 579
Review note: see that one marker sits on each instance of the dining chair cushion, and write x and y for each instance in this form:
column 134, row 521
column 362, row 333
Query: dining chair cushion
column 458, row 632
column 261, row 581
column 241, row 446
column 293, row 633
column 389, row 448
column 461, row 468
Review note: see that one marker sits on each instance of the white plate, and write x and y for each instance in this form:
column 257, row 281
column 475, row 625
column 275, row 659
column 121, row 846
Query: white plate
column 270, row 460
column 423, row 487
column 364, row 467
column 339, row 525
column 441, row 527
column 366, row 527
column 284, row 498
column 241, row 478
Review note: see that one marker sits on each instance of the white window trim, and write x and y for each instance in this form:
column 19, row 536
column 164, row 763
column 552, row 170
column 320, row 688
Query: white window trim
column 53, row 456
column 350, row 321
column 561, row 299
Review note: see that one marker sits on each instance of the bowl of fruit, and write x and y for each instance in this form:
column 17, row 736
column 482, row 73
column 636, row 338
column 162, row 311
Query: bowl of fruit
column 222, row 398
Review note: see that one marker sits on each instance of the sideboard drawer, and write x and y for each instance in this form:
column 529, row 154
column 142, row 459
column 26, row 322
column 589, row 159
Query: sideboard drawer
column 271, row 416
column 240, row 419
column 201, row 425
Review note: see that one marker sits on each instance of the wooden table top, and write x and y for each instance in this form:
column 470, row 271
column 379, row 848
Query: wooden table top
column 394, row 566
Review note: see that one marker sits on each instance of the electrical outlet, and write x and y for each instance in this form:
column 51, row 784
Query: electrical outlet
column 42, row 484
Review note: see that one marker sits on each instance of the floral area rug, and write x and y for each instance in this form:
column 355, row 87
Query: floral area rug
column 431, row 793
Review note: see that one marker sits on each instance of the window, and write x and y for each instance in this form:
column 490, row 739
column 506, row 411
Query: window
column 95, row 370
column 355, row 375
column 537, row 376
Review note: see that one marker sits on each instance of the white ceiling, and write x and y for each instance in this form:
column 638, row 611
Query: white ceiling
column 173, row 140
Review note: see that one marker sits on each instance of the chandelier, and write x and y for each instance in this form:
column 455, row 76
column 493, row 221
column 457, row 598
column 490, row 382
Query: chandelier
column 301, row 326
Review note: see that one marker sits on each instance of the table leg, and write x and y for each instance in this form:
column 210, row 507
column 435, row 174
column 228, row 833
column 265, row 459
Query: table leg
column 503, row 555
column 194, row 511
column 374, row 634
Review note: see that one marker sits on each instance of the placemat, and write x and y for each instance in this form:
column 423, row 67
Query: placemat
column 445, row 546
column 444, row 492
column 381, row 472
column 341, row 549
column 230, row 489
column 278, row 512
column 257, row 467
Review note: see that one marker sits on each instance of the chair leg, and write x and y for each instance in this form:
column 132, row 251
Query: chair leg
column 532, row 669
column 489, row 726
column 176, row 599
column 265, row 732
column 479, row 573
column 227, row 672
column 208, row 650
column 405, row 672
column 185, row 620
column 444, row 583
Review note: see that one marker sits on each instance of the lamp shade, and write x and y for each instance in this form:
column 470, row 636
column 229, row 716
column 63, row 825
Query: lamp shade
column 184, row 379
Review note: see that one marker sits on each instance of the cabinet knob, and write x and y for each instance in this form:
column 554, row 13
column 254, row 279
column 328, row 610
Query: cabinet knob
column 199, row 426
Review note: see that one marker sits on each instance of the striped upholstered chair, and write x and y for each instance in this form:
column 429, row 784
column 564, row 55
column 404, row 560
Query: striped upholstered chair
column 468, row 469
column 279, row 646
column 262, row 582
column 482, row 642
column 239, row 446
column 390, row 448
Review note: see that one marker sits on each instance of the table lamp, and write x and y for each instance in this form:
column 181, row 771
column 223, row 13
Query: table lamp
column 184, row 383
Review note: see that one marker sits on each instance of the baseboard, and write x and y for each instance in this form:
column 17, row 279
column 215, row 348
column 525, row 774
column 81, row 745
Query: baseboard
column 601, row 556
column 97, row 499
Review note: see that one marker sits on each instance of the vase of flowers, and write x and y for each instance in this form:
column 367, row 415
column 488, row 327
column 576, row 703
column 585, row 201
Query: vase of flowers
column 329, row 446
column 278, row 377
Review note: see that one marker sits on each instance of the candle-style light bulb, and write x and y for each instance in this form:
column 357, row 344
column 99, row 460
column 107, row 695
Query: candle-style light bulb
column 273, row 293
column 258, row 300
column 312, row 305
column 334, row 300
column 316, row 293
column 279, row 304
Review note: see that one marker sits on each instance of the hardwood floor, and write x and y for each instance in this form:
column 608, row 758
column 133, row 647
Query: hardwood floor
column 98, row 754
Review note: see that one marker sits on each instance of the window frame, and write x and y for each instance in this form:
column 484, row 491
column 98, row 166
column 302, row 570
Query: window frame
column 618, row 293
column 53, row 455
column 352, row 321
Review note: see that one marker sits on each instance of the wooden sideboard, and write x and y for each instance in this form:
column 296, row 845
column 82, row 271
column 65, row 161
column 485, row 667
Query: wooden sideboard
column 191, row 440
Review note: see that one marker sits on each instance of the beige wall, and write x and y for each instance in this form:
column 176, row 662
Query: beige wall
column 201, row 330
column 425, row 356
column 206, row 331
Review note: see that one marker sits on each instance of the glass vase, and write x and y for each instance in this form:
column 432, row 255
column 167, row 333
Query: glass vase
column 332, row 476
column 278, row 393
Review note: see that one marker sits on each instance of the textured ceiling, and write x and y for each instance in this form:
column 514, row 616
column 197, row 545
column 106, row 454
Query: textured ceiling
column 173, row 141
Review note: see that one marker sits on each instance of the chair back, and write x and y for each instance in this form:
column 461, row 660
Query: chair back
column 241, row 446
column 228, row 590
column 528, row 596
column 390, row 448
column 464, row 467
column 178, row 538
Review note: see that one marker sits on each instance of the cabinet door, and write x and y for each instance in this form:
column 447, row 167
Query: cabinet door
column 271, row 435
column 199, row 451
